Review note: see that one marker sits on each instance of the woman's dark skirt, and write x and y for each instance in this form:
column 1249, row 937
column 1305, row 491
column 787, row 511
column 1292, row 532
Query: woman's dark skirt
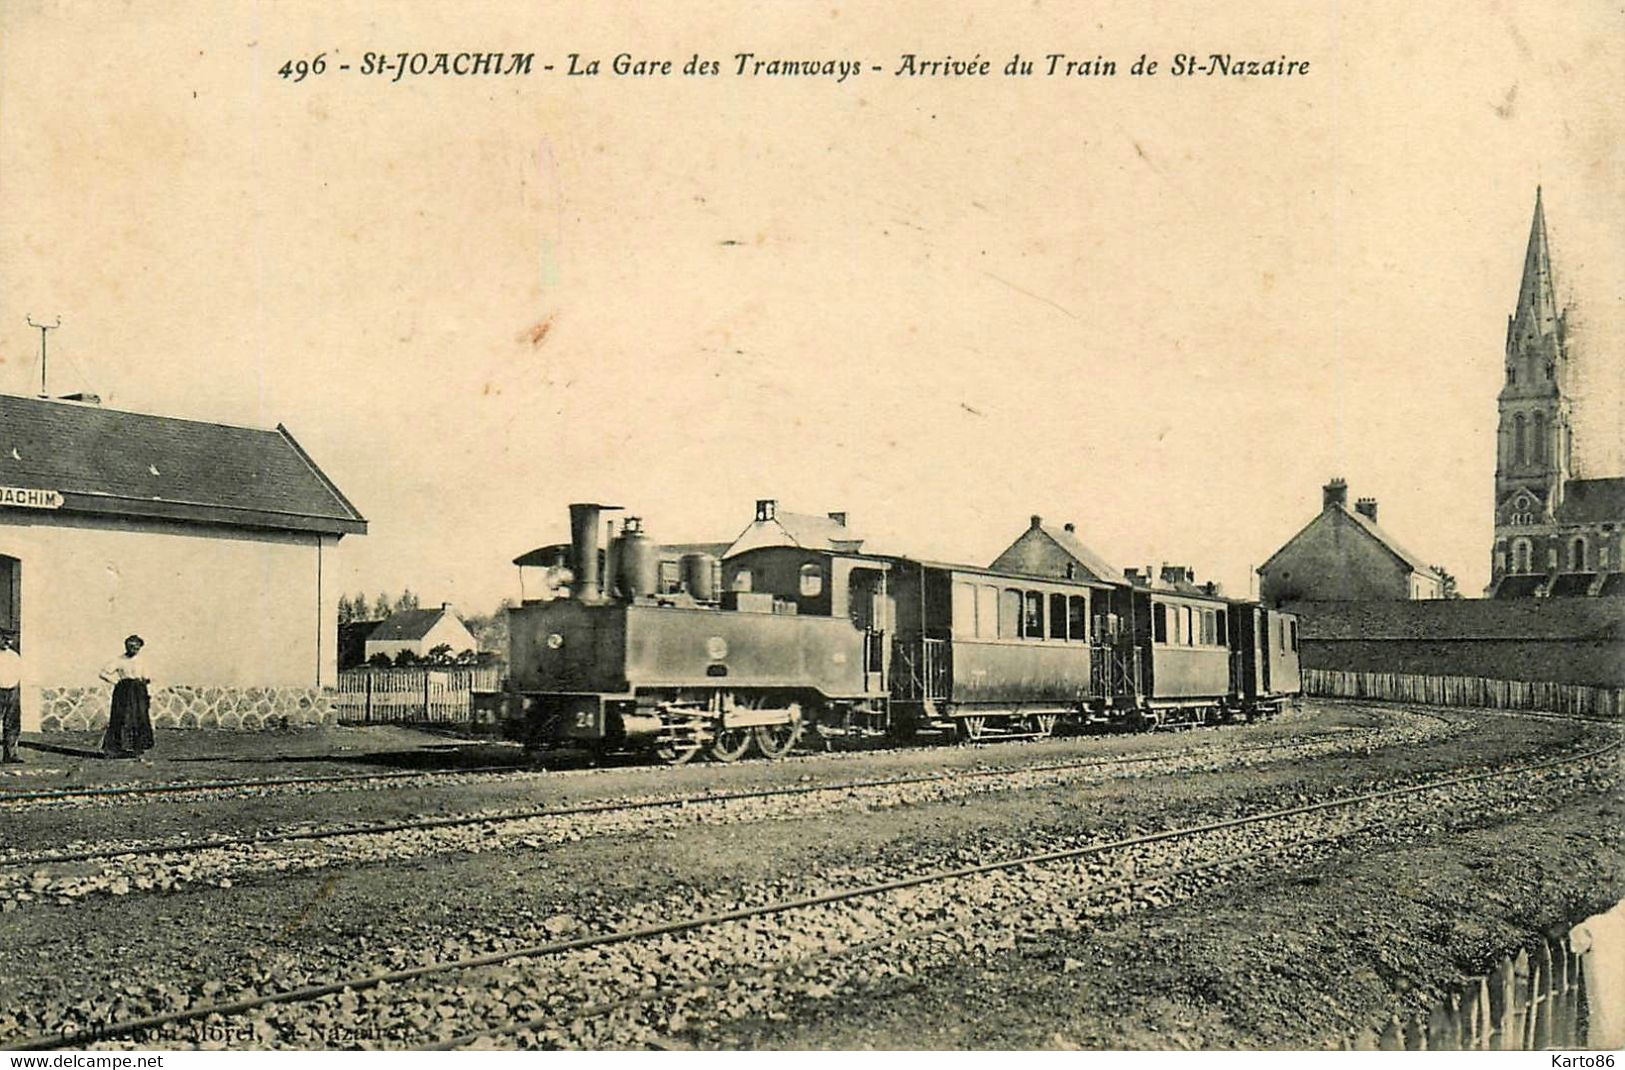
column 129, row 727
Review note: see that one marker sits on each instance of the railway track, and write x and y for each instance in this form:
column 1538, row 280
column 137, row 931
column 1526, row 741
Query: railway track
column 185, row 787
column 223, row 788
column 1208, row 847
column 669, row 802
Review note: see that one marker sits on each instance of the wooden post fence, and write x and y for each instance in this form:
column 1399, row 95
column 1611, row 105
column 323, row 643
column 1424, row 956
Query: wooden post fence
column 411, row 696
column 1479, row 691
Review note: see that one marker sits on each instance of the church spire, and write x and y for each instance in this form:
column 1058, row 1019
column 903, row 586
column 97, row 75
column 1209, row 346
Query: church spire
column 1537, row 297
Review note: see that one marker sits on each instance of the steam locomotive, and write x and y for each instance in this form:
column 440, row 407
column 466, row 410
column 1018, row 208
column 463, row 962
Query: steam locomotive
column 778, row 645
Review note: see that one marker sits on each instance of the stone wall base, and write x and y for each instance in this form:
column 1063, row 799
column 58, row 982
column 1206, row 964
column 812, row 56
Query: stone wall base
column 83, row 709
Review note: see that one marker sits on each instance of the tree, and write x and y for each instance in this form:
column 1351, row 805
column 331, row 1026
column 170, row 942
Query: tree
column 380, row 660
column 407, row 601
column 406, row 658
column 380, row 607
column 439, row 654
column 1447, row 584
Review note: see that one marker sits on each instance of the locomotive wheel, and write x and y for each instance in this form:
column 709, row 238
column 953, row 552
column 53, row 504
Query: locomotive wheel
column 1044, row 724
column 970, row 729
column 777, row 740
column 684, row 744
column 676, row 753
column 729, row 745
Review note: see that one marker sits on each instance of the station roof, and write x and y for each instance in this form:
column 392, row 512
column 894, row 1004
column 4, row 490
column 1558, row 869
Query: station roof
column 89, row 459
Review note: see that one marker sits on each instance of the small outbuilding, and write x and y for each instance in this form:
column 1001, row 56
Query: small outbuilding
column 420, row 631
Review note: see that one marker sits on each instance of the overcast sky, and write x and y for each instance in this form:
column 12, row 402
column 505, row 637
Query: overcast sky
column 1165, row 308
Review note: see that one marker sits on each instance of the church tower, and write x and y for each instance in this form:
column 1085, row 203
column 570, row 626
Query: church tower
column 1534, row 440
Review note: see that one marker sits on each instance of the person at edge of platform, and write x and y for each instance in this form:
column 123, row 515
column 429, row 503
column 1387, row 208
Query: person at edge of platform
column 129, row 724
column 11, row 704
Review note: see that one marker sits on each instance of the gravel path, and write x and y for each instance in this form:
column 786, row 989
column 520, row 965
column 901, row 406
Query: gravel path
column 641, row 991
column 149, row 868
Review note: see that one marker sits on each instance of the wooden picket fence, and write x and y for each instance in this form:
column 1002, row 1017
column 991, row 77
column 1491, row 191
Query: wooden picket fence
column 1478, row 691
column 1529, row 1002
column 411, row 696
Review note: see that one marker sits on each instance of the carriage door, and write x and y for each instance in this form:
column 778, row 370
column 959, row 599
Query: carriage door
column 1263, row 652
column 868, row 606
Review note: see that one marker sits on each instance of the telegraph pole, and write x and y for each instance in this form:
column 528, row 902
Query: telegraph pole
column 43, row 327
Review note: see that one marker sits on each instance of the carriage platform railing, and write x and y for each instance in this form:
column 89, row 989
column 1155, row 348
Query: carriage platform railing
column 921, row 669
column 1115, row 673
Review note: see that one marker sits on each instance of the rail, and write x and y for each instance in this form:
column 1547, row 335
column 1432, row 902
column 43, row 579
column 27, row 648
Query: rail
column 1479, row 691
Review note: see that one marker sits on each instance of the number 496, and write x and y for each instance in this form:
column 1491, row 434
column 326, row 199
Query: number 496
column 299, row 69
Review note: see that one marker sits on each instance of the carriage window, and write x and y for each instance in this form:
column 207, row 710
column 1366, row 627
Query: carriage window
column 987, row 612
column 1224, row 629
column 1057, row 616
column 1159, row 623
column 1292, row 626
column 1033, row 619
column 1190, row 630
column 742, row 580
column 1282, row 625
column 1009, row 614
column 812, row 580
column 1208, row 627
column 964, row 610
column 1077, row 616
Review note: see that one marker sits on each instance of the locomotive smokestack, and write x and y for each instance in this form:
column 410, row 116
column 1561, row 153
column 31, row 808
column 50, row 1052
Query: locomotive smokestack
column 584, row 549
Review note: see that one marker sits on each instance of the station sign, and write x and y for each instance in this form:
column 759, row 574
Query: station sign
column 30, row 498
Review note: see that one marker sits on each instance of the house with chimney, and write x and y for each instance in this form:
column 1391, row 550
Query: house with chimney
column 1046, row 550
column 1343, row 555
column 809, row 531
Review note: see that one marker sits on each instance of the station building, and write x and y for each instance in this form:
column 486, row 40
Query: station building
column 214, row 543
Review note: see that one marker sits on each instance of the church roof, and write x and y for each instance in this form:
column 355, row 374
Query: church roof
column 1592, row 501
column 1537, row 293
column 131, row 464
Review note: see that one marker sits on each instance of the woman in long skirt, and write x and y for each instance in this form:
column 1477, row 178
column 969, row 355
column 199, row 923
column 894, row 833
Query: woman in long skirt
column 129, row 725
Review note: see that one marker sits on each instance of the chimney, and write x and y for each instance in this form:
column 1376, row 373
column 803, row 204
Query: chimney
column 1334, row 494
column 839, row 518
column 1071, row 528
column 1174, row 575
column 1038, row 521
column 1367, row 507
column 1137, row 578
column 766, row 508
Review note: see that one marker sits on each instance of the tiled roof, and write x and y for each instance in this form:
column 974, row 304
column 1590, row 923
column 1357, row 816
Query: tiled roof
column 1461, row 619
column 1591, row 501
column 813, row 532
column 1416, row 562
column 1097, row 566
column 1572, row 584
column 406, row 625
column 1522, row 586
column 1369, row 526
column 131, row 464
